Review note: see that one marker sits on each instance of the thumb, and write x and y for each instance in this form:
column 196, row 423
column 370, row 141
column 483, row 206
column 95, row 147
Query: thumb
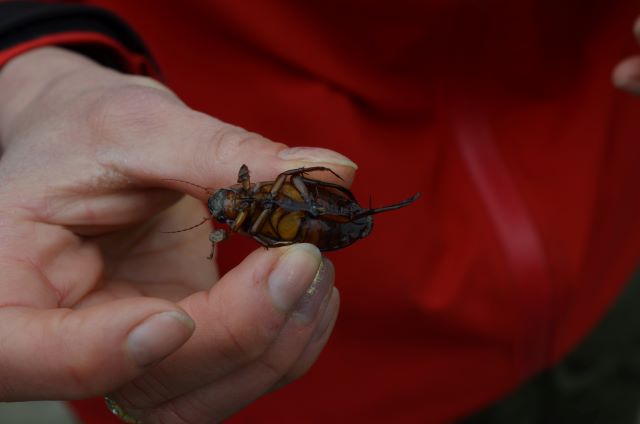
column 65, row 354
column 273, row 295
column 150, row 137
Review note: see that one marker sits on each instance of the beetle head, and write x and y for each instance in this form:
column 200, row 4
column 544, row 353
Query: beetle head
column 218, row 204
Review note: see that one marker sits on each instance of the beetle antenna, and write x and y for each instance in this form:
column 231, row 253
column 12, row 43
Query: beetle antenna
column 399, row 205
column 187, row 229
column 207, row 190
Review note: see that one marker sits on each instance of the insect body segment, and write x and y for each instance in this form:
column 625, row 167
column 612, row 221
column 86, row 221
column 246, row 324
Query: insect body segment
column 293, row 209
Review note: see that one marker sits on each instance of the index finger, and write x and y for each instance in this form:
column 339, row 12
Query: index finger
column 173, row 142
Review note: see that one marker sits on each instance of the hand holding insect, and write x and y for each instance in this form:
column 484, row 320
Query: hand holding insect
column 89, row 281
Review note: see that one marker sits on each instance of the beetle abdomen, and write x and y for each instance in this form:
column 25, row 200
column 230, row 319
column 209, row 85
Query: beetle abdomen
column 324, row 221
column 301, row 227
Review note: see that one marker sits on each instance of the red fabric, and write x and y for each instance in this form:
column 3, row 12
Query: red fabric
column 131, row 62
column 501, row 113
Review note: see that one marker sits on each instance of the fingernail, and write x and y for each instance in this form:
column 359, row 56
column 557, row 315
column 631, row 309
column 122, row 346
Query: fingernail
column 316, row 154
column 309, row 304
column 158, row 336
column 293, row 275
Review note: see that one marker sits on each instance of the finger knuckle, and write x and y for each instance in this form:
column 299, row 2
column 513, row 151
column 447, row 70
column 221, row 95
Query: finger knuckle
column 237, row 346
column 230, row 144
column 168, row 413
column 144, row 392
column 130, row 109
column 250, row 343
column 227, row 142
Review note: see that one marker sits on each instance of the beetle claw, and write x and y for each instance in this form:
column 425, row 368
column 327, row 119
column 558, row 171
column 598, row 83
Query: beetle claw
column 215, row 237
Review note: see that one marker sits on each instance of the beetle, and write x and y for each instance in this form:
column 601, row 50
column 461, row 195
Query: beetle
column 293, row 209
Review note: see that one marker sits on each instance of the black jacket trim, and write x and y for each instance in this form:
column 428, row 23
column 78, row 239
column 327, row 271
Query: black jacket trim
column 24, row 21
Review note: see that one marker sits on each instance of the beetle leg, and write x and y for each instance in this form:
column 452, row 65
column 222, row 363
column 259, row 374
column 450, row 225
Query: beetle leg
column 248, row 197
column 271, row 243
column 338, row 187
column 258, row 186
column 215, row 237
column 243, row 178
column 299, row 184
column 277, row 186
column 368, row 212
column 301, row 171
column 259, row 222
column 279, row 182
column 237, row 223
column 275, row 189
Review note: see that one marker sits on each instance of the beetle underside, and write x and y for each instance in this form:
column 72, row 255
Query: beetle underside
column 293, row 209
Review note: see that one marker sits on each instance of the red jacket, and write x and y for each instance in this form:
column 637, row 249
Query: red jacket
column 501, row 113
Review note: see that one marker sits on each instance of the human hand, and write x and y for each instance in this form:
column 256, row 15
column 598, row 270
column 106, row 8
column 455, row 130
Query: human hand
column 626, row 75
column 93, row 297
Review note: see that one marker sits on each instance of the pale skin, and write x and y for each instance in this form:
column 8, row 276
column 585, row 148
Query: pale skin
column 626, row 76
column 84, row 264
column 84, row 196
